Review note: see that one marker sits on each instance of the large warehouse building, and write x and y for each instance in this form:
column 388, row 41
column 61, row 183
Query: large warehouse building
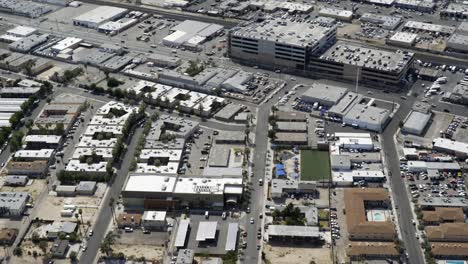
column 191, row 33
column 416, row 122
column 99, row 15
column 327, row 95
column 168, row 192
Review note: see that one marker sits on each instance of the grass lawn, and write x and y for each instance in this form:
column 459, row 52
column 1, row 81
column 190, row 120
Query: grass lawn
column 315, row 165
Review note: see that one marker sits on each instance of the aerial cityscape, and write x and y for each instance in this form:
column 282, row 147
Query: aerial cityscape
column 234, row 131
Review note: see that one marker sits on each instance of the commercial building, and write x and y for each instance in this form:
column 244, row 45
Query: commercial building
column 325, row 95
column 229, row 111
column 129, row 220
column 291, row 126
column 27, row 9
column 310, row 234
column 65, row 44
column 423, row 166
column 403, row 39
column 13, row 203
column 280, row 43
column 386, row 22
column 191, row 33
column 280, row 187
column 206, row 231
column 231, row 240
column 352, row 62
column 290, row 116
column 185, row 256
column 230, row 137
column 181, row 235
column 349, row 177
column 162, row 60
column 99, row 15
column 28, row 43
column 455, row 10
column 416, row 122
column 339, row 14
column 367, row 117
column 458, row 42
column 357, row 203
column 340, row 162
column 154, row 220
column 168, row 192
column 457, row 148
column 237, row 82
column 290, row 139
column 429, row 28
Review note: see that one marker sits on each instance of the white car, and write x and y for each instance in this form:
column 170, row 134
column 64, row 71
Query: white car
column 252, row 220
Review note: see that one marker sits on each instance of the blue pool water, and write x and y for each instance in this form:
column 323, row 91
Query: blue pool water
column 455, row 262
column 380, row 217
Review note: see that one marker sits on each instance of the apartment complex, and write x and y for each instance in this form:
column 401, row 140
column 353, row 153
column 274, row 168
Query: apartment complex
column 361, row 224
column 280, row 43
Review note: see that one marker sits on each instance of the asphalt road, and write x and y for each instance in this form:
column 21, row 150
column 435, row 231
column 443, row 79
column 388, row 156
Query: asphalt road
column 105, row 214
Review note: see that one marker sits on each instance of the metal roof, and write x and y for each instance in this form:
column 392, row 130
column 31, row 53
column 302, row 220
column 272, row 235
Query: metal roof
column 182, row 233
column 231, row 239
column 206, row 230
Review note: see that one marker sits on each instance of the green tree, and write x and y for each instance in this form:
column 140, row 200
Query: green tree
column 113, row 82
column 18, row 251
column 28, row 67
column 43, row 245
column 59, row 129
column 73, row 256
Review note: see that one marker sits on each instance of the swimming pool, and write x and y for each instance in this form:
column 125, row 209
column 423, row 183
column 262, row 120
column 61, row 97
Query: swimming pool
column 455, row 262
column 380, row 217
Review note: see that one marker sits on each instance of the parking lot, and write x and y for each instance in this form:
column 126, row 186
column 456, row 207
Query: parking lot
column 196, row 152
column 445, row 184
column 217, row 246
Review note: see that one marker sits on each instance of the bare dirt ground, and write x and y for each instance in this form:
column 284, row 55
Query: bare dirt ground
column 34, row 189
column 296, row 255
column 147, row 251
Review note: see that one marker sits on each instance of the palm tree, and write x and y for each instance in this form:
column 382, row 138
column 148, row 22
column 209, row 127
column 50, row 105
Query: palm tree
column 247, row 133
column 111, row 205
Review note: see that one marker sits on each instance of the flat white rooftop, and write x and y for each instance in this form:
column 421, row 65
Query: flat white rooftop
column 93, row 129
column 182, row 232
column 169, row 169
column 149, row 183
column 207, row 230
column 75, row 165
column 100, row 14
column 22, row 31
column 171, row 154
column 38, row 154
column 89, row 142
column 49, row 139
